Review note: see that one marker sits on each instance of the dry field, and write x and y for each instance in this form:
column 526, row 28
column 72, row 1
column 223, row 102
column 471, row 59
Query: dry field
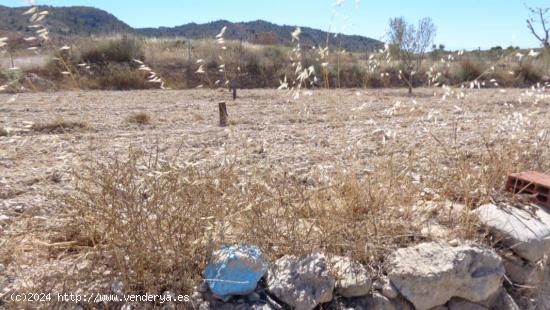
column 379, row 151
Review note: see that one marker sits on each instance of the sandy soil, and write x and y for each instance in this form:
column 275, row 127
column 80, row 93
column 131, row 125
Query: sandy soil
column 322, row 132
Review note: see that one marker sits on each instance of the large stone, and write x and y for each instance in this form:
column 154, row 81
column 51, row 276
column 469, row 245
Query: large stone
column 461, row 304
column 378, row 301
column 527, row 233
column 352, row 278
column 235, row 270
column 373, row 301
column 430, row 274
column 505, row 302
column 302, row 283
column 217, row 305
column 521, row 272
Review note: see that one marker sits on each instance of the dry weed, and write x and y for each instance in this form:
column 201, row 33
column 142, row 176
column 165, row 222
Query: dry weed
column 140, row 118
column 155, row 222
column 58, row 126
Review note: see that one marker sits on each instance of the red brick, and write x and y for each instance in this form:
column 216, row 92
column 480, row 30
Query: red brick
column 533, row 183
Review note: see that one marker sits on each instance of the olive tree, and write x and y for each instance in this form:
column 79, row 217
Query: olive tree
column 409, row 44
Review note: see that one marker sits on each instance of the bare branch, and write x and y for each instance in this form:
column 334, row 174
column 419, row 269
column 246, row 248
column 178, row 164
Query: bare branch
column 538, row 16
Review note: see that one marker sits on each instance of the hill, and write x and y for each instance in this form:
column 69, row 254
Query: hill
column 81, row 21
column 74, row 20
column 260, row 32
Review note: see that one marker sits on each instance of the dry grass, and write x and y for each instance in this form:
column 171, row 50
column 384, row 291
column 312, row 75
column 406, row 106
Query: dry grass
column 257, row 66
column 58, row 126
column 152, row 218
column 155, row 222
column 140, row 118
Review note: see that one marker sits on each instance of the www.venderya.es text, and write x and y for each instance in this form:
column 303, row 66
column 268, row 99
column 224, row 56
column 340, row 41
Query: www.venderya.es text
column 97, row 298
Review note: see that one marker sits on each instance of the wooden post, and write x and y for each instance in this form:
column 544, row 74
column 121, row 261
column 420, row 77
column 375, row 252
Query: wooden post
column 223, row 114
column 233, row 86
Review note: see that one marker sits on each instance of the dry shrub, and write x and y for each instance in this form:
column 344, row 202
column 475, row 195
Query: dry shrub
column 114, row 77
column 469, row 70
column 528, row 73
column 140, row 118
column 58, row 126
column 157, row 223
column 477, row 176
column 3, row 132
column 119, row 50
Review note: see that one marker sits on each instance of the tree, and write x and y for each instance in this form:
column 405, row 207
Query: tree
column 409, row 44
column 540, row 16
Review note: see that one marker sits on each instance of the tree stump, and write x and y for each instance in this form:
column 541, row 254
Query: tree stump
column 223, row 114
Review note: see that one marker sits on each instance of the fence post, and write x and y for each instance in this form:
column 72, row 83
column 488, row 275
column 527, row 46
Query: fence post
column 233, row 86
column 223, row 113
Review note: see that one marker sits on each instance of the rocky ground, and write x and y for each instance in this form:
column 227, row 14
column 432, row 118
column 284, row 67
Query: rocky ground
column 322, row 132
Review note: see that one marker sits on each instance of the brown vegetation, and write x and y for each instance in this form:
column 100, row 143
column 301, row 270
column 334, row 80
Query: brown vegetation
column 58, row 126
column 109, row 66
column 140, row 118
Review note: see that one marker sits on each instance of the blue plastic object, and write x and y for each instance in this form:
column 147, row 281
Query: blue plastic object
column 235, row 270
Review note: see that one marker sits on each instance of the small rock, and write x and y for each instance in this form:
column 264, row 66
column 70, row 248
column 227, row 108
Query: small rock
column 203, row 288
column 217, row 305
column 505, row 302
column 461, row 304
column 235, row 270
column 352, row 278
column 435, row 231
column 378, row 301
column 430, row 274
column 19, row 208
column 453, row 210
column 454, row 242
column 384, row 285
column 523, row 231
column 253, row 296
column 389, row 291
column 117, row 288
column 373, row 301
column 301, row 283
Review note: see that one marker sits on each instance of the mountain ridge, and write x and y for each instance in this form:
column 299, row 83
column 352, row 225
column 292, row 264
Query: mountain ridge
column 85, row 20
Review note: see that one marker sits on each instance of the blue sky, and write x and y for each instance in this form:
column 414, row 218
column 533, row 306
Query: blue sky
column 467, row 24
